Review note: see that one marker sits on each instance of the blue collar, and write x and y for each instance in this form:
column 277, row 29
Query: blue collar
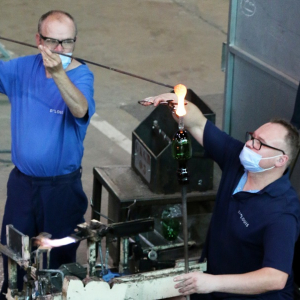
column 274, row 189
column 242, row 183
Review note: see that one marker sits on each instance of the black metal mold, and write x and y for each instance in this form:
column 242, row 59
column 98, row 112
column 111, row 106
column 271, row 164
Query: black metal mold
column 152, row 154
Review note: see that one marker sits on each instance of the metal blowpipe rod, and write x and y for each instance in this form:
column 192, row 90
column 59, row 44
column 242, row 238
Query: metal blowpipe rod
column 180, row 123
column 184, row 213
column 184, row 217
column 185, row 231
column 182, row 151
column 92, row 63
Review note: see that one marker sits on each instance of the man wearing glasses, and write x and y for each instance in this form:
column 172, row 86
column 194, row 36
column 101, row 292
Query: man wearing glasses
column 52, row 102
column 255, row 224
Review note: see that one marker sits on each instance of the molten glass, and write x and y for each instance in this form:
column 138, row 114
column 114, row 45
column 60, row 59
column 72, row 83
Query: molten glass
column 180, row 90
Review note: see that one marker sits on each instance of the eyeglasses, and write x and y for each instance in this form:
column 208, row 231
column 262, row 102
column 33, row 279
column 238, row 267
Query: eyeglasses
column 67, row 44
column 256, row 144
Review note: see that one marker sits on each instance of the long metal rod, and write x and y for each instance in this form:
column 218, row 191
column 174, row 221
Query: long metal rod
column 185, row 230
column 92, row 63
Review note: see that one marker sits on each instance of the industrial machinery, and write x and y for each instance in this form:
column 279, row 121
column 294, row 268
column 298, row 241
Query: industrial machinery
column 93, row 281
column 149, row 246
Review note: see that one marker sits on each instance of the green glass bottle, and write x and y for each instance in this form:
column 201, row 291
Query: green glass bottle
column 182, row 151
column 181, row 145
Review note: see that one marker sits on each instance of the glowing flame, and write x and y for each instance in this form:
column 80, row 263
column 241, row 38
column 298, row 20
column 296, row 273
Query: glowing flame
column 180, row 90
column 48, row 243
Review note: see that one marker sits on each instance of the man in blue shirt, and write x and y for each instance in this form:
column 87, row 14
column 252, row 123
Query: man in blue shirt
column 52, row 102
column 255, row 223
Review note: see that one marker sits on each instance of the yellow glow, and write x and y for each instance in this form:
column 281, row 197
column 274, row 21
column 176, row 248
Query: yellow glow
column 180, row 90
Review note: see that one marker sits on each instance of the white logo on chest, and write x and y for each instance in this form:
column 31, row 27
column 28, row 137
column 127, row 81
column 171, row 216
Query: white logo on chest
column 243, row 219
column 56, row 111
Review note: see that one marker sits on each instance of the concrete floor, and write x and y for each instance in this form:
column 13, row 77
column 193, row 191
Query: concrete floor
column 169, row 41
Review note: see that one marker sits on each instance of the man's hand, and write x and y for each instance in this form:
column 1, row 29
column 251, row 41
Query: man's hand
column 252, row 283
column 72, row 96
column 194, row 282
column 194, row 120
column 165, row 97
column 52, row 61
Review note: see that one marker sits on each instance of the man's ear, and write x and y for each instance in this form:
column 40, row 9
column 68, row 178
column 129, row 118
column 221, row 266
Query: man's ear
column 37, row 39
column 283, row 159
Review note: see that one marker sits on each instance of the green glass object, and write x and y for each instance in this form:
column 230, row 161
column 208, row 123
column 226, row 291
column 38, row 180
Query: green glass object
column 181, row 145
column 170, row 224
column 170, row 228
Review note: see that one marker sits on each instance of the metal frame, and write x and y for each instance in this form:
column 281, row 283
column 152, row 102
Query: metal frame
column 232, row 53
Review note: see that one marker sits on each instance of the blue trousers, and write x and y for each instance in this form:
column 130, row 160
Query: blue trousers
column 44, row 204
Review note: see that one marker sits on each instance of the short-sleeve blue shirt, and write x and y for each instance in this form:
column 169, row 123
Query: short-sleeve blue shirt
column 249, row 231
column 47, row 140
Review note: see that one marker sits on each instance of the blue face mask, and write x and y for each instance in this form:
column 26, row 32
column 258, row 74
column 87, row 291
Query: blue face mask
column 65, row 60
column 250, row 160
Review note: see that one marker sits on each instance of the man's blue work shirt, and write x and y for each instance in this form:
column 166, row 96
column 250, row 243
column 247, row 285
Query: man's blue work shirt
column 249, row 231
column 47, row 140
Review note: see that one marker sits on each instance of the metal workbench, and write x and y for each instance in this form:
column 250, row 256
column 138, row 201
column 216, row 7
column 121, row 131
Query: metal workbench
column 124, row 186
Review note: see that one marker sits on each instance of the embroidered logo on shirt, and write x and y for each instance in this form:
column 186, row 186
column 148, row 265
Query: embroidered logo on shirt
column 56, row 111
column 243, row 219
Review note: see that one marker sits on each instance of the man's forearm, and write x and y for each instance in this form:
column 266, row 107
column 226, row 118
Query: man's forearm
column 195, row 122
column 72, row 96
column 252, row 283
column 257, row 282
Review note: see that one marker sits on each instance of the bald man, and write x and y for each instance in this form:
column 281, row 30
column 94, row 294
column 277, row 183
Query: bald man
column 52, row 102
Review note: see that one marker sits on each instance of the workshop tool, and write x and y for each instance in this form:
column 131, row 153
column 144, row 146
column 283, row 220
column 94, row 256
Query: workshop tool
column 182, row 151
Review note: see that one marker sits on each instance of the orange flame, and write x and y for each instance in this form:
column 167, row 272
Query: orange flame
column 180, row 90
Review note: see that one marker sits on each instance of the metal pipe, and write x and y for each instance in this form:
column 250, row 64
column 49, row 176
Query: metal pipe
column 91, row 62
column 185, row 230
column 123, row 265
column 184, row 209
column 91, row 257
column 101, row 257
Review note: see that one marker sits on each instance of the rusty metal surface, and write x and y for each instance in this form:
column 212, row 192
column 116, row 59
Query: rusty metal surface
column 13, row 255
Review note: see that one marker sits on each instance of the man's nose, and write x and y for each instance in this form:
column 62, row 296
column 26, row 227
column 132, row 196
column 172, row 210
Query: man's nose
column 249, row 144
column 59, row 48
